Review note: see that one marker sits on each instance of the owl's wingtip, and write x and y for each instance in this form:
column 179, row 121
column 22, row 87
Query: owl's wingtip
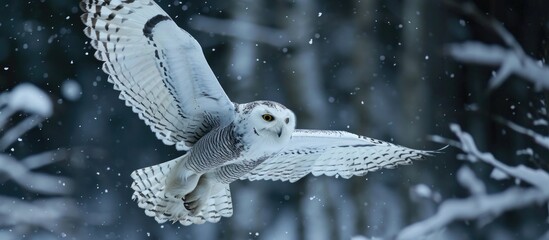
column 434, row 152
column 431, row 153
column 441, row 149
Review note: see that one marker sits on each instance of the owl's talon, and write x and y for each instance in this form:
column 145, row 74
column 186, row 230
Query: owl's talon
column 192, row 207
column 187, row 206
column 192, row 197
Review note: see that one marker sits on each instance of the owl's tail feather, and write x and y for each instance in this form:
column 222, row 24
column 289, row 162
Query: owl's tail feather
column 149, row 192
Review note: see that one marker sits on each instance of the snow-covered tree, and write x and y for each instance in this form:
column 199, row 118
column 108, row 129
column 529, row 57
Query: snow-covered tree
column 525, row 185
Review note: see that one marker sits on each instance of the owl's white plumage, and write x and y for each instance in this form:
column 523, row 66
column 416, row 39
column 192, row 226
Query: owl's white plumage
column 269, row 136
column 163, row 76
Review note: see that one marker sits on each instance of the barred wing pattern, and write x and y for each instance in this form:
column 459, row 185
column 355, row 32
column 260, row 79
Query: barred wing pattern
column 332, row 153
column 168, row 208
column 149, row 193
column 159, row 69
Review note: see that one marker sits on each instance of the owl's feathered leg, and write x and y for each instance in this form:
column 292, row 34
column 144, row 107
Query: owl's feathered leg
column 192, row 188
column 207, row 186
column 150, row 193
column 181, row 181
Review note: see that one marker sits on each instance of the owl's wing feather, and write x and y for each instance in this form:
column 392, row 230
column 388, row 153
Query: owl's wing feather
column 159, row 69
column 332, row 153
column 149, row 192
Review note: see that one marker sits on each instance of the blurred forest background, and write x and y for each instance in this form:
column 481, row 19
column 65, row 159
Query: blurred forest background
column 384, row 69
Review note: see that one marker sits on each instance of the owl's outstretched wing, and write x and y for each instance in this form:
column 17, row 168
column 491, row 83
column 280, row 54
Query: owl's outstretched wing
column 159, row 69
column 332, row 153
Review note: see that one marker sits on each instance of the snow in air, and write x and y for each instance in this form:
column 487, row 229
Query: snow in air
column 71, row 90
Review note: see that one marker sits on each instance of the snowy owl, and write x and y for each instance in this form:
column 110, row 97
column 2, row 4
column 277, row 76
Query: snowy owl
column 163, row 76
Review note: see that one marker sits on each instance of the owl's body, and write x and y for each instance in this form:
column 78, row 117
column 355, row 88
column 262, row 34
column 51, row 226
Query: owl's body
column 162, row 74
column 200, row 178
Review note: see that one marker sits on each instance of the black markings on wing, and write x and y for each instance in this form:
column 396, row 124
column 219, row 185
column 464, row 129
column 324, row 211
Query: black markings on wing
column 149, row 25
column 122, row 34
column 357, row 145
column 149, row 193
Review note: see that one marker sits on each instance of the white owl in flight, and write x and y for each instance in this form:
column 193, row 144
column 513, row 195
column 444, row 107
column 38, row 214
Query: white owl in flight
column 163, row 76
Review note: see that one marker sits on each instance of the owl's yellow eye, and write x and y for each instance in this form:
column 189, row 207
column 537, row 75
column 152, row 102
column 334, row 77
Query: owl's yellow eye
column 268, row 117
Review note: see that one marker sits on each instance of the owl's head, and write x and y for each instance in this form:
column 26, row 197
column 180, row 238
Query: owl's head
column 267, row 122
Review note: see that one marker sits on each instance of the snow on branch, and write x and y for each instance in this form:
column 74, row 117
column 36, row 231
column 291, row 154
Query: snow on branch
column 44, row 213
column 473, row 208
column 11, row 135
column 35, row 182
column 19, row 217
column 45, row 158
column 26, row 98
column 467, row 179
column 538, row 138
column 480, row 205
column 509, row 61
column 470, row 9
column 535, row 177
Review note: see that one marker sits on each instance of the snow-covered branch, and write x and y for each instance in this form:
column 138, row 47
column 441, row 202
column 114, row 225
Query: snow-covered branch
column 467, row 178
column 469, row 9
column 11, row 135
column 45, row 158
column 17, row 215
column 538, row 138
column 52, row 214
column 474, row 207
column 26, row 98
column 509, row 61
column 35, row 182
column 481, row 205
column 535, row 177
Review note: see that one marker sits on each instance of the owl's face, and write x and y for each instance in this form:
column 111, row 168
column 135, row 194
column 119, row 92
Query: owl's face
column 268, row 123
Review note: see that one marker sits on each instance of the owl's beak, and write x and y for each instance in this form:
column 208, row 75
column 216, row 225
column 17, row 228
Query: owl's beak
column 279, row 130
